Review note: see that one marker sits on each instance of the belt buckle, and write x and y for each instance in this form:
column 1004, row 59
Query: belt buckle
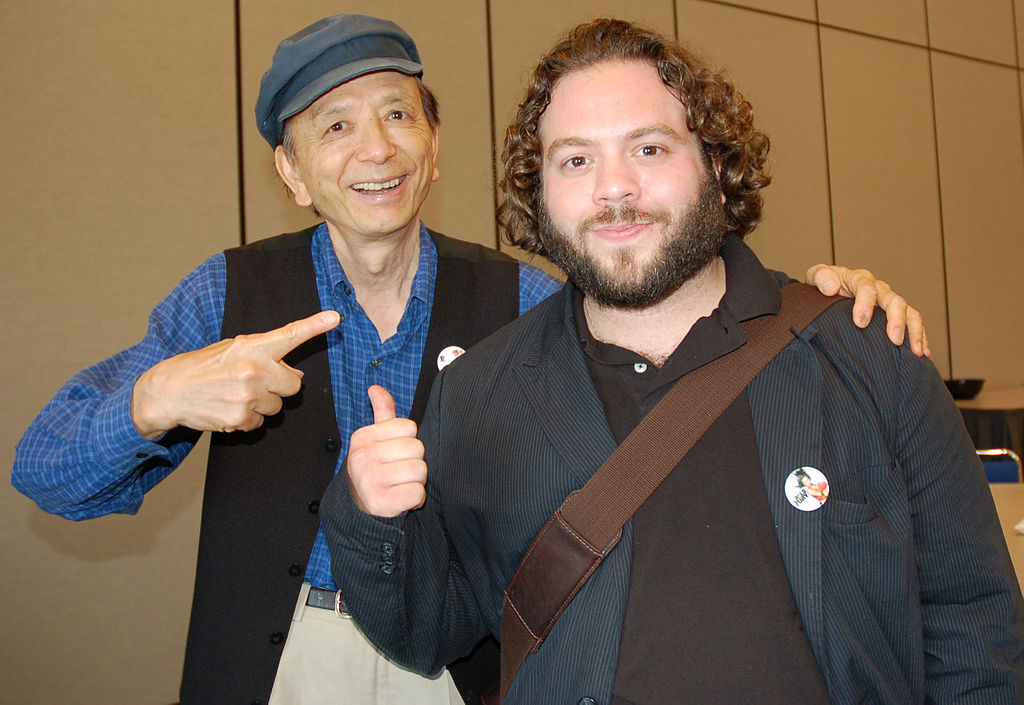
column 340, row 608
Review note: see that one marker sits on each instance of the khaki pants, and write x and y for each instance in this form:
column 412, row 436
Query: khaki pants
column 328, row 661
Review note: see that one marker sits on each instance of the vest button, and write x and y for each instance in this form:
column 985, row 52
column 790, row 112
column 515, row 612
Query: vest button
column 314, row 507
column 295, row 570
column 276, row 638
column 331, row 445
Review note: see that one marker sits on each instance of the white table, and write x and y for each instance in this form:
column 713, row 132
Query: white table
column 1009, row 499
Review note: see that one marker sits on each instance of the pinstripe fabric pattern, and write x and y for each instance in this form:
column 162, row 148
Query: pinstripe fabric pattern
column 902, row 578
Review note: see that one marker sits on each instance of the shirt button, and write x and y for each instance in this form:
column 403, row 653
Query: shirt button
column 314, row 507
column 347, row 289
column 295, row 570
column 387, row 560
column 276, row 638
column 331, row 445
column 587, row 701
column 142, row 455
column 377, row 363
column 640, row 368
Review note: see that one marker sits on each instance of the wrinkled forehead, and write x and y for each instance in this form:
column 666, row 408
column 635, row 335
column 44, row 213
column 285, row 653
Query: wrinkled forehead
column 377, row 92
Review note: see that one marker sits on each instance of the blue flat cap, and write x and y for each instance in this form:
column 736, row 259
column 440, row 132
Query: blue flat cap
column 324, row 55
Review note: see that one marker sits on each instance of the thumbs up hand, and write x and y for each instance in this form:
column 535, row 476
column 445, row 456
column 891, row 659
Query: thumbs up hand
column 386, row 471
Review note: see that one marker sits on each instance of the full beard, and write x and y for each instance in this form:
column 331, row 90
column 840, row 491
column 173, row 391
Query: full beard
column 691, row 239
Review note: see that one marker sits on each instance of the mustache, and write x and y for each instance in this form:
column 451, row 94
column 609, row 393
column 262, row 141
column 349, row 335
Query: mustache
column 624, row 214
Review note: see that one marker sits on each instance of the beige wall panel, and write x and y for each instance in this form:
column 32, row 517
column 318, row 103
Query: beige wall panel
column 982, row 177
column 903, row 19
column 885, row 191
column 982, row 28
column 121, row 176
column 803, row 9
column 774, row 62
column 452, row 39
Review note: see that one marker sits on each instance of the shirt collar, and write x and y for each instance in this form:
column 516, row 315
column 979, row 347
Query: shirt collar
column 422, row 283
column 750, row 289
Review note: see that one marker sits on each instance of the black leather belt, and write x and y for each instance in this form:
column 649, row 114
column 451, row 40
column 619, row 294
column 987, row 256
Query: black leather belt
column 327, row 600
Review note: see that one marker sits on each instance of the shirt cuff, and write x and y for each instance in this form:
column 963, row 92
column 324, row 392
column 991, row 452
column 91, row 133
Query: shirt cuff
column 118, row 442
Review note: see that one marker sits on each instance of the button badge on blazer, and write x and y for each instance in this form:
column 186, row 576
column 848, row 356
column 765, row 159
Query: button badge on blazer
column 807, row 488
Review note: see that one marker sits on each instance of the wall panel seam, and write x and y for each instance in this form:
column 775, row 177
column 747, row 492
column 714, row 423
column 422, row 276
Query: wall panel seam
column 938, row 183
column 895, row 40
column 239, row 152
column 1017, row 39
column 494, row 118
column 824, row 127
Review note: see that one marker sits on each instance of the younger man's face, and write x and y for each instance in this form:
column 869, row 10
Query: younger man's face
column 629, row 209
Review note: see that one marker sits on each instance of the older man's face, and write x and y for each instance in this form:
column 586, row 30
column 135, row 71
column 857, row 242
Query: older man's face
column 364, row 156
column 629, row 208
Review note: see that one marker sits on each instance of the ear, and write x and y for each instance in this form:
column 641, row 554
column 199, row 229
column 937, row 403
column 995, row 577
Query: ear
column 436, row 143
column 289, row 173
column 716, row 164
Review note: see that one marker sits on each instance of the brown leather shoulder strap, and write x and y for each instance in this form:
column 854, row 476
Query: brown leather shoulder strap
column 587, row 526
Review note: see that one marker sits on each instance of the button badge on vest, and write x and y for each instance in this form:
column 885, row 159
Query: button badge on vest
column 446, row 356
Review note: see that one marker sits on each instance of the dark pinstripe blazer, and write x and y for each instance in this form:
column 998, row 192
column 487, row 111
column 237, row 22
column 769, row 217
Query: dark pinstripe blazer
column 902, row 578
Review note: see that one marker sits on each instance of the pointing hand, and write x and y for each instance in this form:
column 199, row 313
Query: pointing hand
column 231, row 385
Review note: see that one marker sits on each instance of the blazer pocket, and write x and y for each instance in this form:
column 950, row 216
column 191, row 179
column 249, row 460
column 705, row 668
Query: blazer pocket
column 879, row 516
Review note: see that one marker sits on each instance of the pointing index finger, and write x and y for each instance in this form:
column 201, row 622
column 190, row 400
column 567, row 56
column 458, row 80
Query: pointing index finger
column 283, row 340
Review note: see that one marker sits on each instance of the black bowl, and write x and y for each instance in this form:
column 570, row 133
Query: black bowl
column 964, row 388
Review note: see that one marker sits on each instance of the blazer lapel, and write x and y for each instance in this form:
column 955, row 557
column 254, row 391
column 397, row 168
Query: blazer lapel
column 555, row 380
column 785, row 400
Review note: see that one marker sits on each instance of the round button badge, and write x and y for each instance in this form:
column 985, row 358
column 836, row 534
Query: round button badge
column 807, row 488
column 446, row 356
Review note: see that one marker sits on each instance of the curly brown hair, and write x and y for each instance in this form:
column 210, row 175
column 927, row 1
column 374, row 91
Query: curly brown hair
column 715, row 112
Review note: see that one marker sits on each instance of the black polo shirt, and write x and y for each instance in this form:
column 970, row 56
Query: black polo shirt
column 710, row 616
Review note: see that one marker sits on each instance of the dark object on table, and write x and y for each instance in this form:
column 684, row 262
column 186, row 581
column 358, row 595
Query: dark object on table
column 964, row 388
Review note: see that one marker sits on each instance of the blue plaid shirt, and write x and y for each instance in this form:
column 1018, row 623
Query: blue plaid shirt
column 82, row 456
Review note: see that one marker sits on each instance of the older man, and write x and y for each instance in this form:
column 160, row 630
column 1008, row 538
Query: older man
column 829, row 539
column 369, row 296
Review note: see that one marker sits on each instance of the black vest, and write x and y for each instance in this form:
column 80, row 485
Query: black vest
column 263, row 488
